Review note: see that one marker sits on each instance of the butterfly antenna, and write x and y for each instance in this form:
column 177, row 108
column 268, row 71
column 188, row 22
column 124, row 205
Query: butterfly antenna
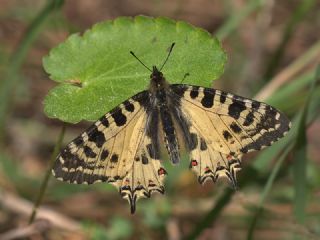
column 140, row 61
column 170, row 50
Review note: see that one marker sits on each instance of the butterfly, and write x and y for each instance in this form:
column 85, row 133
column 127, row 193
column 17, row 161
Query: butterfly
column 124, row 146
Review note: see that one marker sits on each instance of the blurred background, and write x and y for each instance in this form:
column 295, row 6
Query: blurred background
column 273, row 50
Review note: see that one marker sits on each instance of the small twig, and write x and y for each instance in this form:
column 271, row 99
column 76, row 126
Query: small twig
column 24, row 207
column 38, row 226
column 47, row 176
column 173, row 231
column 310, row 57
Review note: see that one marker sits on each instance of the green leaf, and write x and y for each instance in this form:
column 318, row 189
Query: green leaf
column 106, row 74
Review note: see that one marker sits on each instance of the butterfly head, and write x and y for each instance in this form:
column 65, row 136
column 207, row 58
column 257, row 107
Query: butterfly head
column 157, row 80
column 156, row 75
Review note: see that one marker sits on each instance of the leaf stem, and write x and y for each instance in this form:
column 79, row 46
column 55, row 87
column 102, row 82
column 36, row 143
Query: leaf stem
column 48, row 174
column 10, row 79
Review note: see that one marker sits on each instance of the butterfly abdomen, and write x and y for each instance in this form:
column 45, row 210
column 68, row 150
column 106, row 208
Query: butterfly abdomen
column 170, row 136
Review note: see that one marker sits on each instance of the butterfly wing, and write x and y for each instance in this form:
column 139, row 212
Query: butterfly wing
column 116, row 149
column 222, row 126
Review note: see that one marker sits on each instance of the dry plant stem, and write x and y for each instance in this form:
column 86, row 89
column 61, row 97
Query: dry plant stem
column 310, row 57
column 47, row 176
column 38, row 226
column 24, row 207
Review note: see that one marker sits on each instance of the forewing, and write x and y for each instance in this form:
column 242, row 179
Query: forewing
column 224, row 126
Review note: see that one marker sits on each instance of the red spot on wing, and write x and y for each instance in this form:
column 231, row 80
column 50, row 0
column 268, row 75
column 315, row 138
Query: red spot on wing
column 207, row 170
column 161, row 171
